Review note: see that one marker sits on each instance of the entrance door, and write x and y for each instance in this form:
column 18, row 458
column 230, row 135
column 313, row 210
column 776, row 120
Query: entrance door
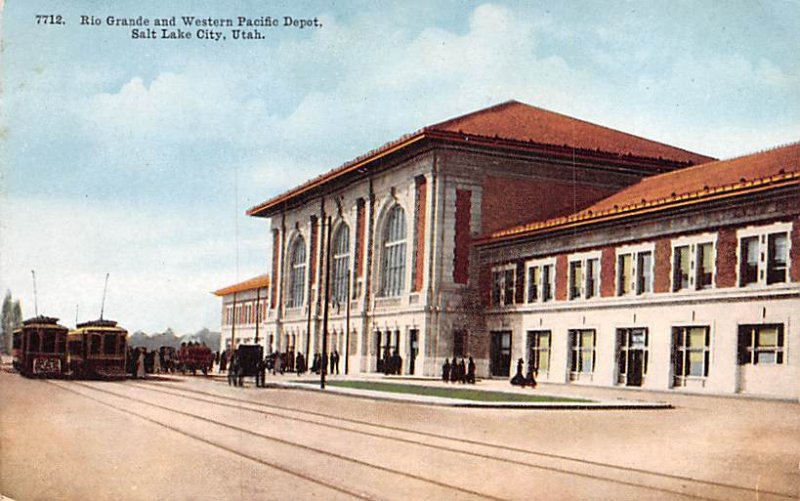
column 635, row 367
column 412, row 349
column 500, row 355
column 378, row 354
column 632, row 356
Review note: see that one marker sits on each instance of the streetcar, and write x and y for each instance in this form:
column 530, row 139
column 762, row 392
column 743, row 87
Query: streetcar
column 40, row 347
column 97, row 350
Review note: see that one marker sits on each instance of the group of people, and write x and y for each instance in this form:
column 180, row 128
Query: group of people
column 458, row 372
column 192, row 356
column 528, row 379
column 391, row 364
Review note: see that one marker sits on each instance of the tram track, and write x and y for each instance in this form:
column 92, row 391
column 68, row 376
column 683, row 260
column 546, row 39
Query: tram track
column 292, row 471
column 646, row 478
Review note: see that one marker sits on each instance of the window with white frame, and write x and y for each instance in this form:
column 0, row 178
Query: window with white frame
column 539, row 351
column 540, row 281
column 582, row 351
column 503, row 285
column 761, row 344
column 341, row 264
column 297, row 273
column 690, row 352
column 393, row 265
column 693, row 261
column 584, row 276
column 634, row 270
column 764, row 254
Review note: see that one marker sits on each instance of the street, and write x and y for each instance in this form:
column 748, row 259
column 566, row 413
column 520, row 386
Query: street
column 196, row 438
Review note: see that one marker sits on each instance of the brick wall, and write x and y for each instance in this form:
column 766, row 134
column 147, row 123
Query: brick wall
column 509, row 202
column 276, row 250
column 419, row 258
column 360, row 226
column 312, row 252
column 561, row 277
column 726, row 258
column 462, row 236
column 607, row 268
column 485, row 284
column 663, row 265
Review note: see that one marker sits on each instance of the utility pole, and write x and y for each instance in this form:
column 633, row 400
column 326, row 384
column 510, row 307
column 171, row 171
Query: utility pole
column 323, row 362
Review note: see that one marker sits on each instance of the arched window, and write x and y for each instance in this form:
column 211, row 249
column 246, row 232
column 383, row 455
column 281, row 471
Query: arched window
column 393, row 263
column 297, row 274
column 341, row 264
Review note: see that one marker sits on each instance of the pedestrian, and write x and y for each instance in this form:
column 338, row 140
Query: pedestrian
column 223, row 361
column 156, row 362
column 335, row 362
column 446, row 370
column 140, row 372
column 462, row 371
column 471, row 371
column 261, row 373
column 300, row 364
column 232, row 372
column 278, row 364
column 518, row 379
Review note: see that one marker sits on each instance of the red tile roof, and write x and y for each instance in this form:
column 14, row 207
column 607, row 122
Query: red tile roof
column 773, row 168
column 522, row 122
column 511, row 124
column 248, row 285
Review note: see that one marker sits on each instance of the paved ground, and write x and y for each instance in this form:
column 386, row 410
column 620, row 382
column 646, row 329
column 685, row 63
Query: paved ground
column 197, row 438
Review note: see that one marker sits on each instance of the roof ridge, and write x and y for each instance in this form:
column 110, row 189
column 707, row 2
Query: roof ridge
column 493, row 107
column 569, row 118
column 694, row 195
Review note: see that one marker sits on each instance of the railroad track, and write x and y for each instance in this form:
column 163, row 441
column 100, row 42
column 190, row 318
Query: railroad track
column 635, row 477
column 340, row 487
column 655, row 483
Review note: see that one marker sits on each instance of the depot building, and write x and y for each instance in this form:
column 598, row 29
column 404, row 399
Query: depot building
column 596, row 256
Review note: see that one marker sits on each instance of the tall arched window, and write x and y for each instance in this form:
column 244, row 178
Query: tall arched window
column 341, row 264
column 297, row 274
column 393, row 264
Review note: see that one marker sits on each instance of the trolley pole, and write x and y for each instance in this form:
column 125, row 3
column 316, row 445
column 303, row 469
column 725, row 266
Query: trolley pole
column 323, row 362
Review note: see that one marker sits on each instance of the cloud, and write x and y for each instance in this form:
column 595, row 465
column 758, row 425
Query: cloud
column 162, row 266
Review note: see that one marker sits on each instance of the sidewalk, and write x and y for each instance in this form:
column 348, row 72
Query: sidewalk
column 596, row 401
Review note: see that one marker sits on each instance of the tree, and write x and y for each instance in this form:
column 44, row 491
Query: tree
column 10, row 319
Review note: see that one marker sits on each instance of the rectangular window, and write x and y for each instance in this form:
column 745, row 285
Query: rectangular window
column 509, row 287
column 761, row 344
column 681, row 268
column 540, row 285
column 644, row 272
column 705, row 266
column 764, row 255
column 539, row 351
column 582, row 353
column 534, row 274
column 748, row 268
column 547, row 282
column 503, row 286
column 592, row 278
column 635, row 270
column 693, row 263
column 575, row 279
column 690, row 353
column 777, row 257
column 624, row 274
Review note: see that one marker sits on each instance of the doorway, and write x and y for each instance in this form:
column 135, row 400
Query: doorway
column 632, row 356
column 500, row 354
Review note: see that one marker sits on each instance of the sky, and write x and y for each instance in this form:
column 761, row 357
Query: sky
column 139, row 157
